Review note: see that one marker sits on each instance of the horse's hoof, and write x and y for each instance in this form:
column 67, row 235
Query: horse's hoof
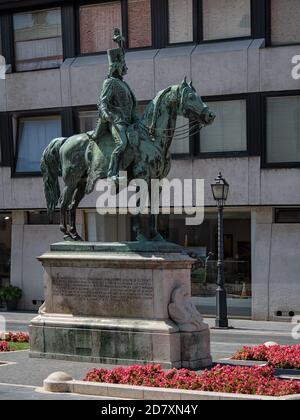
column 78, row 238
column 141, row 238
column 68, row 238
column 75, row 237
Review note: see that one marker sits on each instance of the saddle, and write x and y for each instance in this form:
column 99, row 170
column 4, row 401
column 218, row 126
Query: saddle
column 99, row 154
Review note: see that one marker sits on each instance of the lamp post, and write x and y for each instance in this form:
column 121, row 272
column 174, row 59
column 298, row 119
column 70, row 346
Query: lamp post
column 220, row 192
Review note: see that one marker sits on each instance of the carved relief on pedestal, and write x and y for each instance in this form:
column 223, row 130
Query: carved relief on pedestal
column 183, row 312
column 42, row 309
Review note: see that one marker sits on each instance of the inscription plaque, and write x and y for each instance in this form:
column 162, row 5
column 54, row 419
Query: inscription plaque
column 104, row 289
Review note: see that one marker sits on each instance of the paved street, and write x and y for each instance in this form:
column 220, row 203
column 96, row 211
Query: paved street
column 20, row 378
column 13, row 392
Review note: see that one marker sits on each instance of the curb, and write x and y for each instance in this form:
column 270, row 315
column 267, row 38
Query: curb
column 61, row 382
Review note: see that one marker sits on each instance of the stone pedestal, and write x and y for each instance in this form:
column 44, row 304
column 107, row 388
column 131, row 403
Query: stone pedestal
column 122, row 303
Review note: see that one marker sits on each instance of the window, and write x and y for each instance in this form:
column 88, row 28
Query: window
column 228, row 133
column 34, row 135
column 180, row 21
column 198, row 243
column 97, row 22
column 287, row 215
column 181, row 141
column 285, row 18
column 226, row 19
column 139, row 23
column 38, row 39
column 4, row 140
column 283, row 129
column 42, row 218
column 87, row 120
column 0, row 38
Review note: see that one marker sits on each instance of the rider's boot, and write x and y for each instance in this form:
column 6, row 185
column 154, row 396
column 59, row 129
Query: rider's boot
column 113, row 172
column 96, row 133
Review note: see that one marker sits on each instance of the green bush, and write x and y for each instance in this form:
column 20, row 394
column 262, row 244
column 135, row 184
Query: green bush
column 10, row 293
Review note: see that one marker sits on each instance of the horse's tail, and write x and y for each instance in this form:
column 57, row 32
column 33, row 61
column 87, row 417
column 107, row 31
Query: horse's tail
column 51, row 167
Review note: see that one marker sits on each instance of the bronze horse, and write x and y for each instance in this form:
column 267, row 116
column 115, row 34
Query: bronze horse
column 82, row 161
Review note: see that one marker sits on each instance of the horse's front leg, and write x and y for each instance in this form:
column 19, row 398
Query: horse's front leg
column 137, row 228
column 155, row 235
column 63, row 221
column 65, row 202
column 73, row 229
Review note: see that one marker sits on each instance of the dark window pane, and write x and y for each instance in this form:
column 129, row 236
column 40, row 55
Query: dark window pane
column 38, row 40
column 283, row 129
column 287, row 215
column 228, row 133
column 42, row 218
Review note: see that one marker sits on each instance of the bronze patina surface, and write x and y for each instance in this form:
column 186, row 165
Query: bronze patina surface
column 121, row 141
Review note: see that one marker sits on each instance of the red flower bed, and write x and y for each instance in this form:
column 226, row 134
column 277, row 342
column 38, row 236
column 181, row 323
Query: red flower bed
column 4, row 346
column 281, row 357
column 16, row 337
column 231, row 379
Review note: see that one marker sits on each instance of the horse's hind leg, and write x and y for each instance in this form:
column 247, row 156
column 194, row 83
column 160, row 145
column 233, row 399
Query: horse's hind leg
column 66, row 199
column 155, row 235
column 78, row 196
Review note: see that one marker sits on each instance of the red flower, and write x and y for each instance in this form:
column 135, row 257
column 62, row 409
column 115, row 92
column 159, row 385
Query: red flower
column 16, row 337
column 282, row 357
column 4, row 346
column 232, row 379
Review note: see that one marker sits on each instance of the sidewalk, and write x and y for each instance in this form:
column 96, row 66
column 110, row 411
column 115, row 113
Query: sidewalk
column 223, row 342
column 18, row 316
column 239, row 325
column 248, row 325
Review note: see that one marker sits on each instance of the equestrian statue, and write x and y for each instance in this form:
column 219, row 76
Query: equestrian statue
column 121, row 141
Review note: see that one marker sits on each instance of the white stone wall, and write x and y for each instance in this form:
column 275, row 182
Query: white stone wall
column 275, row 266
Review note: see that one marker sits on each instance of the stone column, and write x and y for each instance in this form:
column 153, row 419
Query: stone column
column 261, row 243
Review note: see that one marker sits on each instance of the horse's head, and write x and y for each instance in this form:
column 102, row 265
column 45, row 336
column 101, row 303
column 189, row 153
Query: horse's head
column 191, row 105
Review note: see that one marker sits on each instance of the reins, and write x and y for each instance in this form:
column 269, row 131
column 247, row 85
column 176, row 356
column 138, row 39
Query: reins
column 180, row 132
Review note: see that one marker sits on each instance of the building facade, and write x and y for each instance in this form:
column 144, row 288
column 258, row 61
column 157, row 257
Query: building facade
column 242, row 58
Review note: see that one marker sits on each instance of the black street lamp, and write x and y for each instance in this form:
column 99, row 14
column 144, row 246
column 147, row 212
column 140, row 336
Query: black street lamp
column 220, row 191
